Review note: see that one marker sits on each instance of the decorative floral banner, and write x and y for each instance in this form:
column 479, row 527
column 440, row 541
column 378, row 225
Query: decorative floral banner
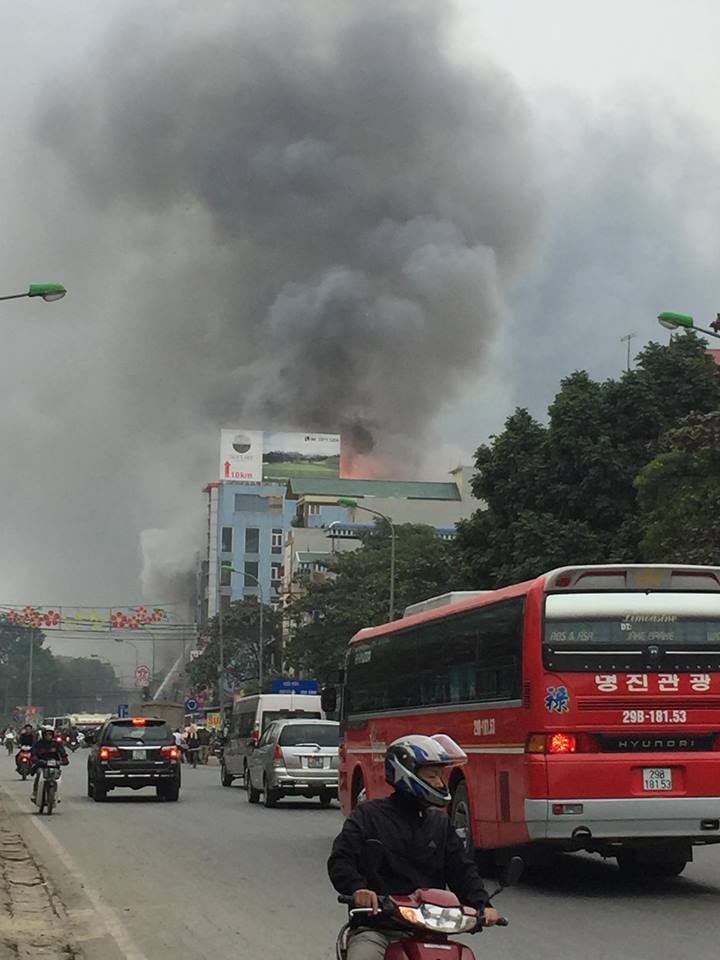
column 105, row 618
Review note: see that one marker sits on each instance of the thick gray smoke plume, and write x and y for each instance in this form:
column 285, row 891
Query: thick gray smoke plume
column 347, row 206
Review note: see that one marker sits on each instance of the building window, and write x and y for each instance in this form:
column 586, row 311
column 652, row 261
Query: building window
column 252, row 540
column 250, row 503
column 225, row 603
column 251, row 571
column 276, row 572
column 226, row 540
column 313, row 509
column 225, row 576
column 277, row 541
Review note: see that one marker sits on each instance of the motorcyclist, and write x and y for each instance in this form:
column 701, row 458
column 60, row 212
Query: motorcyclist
column 27, row 736
column 47, row 747
column 9, row 738
column 420, row 845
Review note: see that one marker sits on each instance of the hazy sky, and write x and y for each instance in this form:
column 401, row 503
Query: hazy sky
column 569, row 191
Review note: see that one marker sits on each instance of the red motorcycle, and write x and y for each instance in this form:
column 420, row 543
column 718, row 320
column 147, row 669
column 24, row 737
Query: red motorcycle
column 23, row 762
column 427, row 919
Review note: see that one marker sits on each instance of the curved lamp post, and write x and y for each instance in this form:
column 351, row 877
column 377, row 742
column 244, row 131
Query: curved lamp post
column 129, row 643
column 261, row 625
column 683, row 321
column 48, row 291
column 354, row 505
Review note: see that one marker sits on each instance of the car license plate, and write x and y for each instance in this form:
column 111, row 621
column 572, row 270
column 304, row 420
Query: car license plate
column 315, row 762
column 657, row 778
column 139, row 754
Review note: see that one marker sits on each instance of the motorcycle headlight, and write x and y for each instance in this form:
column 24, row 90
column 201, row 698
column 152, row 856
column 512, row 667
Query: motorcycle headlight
column 446, row 919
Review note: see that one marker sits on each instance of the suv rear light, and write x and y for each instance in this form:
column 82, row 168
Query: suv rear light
column 561, row 742
column 138, row 721
column 255, row 736
column 107, row 753
column 278, row 758
column 172, row 753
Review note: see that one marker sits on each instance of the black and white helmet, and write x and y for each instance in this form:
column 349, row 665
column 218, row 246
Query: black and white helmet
column 405, row 755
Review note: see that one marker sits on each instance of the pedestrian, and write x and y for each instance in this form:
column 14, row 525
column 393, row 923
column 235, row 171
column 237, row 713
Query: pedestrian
column 193, row 743
column 181, row 745
column 204, row 744
column 10, row 738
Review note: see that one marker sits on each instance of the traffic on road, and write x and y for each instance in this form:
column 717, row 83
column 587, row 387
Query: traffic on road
column 501, row 750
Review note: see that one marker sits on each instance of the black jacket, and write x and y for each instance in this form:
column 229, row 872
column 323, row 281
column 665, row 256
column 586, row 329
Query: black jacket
column 421, row 849
column 43, row 750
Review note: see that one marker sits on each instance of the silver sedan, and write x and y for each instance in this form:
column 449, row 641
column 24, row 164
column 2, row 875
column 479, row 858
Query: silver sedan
column 295, row 758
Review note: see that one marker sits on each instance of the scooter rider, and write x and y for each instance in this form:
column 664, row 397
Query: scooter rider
column 27, row 736
column 47, row 747
column 420, row 845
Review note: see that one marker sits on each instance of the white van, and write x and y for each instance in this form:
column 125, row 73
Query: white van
column 251, row 717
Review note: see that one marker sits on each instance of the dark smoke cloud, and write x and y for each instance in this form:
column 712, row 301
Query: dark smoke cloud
column 365, row 202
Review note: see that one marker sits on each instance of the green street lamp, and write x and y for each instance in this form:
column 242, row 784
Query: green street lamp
column 354, row 505
column 261, row 625
column 683, row 321
column 48, row 291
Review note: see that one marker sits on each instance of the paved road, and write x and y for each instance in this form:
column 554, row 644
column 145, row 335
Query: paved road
column 213, row 877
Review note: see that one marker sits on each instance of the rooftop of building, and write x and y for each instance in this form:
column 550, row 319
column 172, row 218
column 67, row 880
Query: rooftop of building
column 312, row 556
column 401, row 489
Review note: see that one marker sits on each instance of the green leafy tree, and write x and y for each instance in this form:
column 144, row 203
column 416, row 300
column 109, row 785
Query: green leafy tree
column 679, row 494
column 241, row 647
column 356, row 593
column 59, row 684
column 565, row 492
column 15, row 640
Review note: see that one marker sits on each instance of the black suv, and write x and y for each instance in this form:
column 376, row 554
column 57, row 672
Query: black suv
column 135, row 752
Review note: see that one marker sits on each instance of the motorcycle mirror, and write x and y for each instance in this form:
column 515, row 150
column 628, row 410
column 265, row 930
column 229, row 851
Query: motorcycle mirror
column 514, row 871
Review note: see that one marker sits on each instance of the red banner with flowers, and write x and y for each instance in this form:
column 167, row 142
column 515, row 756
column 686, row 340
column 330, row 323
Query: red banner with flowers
column 81, row 618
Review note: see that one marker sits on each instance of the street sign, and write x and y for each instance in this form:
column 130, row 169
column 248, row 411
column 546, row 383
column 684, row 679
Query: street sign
column 194, row 654
column 191, row 704
column 295, row 686
column 213, row 721
column 123, row 710
column 142, row 675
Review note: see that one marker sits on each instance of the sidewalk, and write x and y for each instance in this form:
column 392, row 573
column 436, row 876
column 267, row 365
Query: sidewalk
column 33, row 921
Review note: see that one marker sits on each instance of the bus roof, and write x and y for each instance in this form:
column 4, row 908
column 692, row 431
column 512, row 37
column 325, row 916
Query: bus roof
column 586, row 577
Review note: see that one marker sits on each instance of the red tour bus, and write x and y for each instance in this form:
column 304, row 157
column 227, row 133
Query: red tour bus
column 587, row 700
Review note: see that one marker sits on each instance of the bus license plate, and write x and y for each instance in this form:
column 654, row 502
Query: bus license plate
column 315, row 762
column 657, row 778
column 139, row 755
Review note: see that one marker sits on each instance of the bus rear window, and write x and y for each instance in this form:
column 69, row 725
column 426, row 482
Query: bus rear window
column 632, row 632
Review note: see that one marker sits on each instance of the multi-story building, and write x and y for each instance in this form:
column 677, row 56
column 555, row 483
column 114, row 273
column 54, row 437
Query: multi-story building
column 271, row 532
column 246, row 530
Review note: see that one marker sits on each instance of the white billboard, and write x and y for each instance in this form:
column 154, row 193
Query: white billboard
column 241, row 453
column 252, row 455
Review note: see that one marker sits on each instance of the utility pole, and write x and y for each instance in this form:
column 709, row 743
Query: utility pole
column 626, row 339
column 31, row 634
column 221, row 650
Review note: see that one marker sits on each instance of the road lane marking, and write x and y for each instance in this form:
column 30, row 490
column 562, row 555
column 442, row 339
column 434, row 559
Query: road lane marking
column 109, row 918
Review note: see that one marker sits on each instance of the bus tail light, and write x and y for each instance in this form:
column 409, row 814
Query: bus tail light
column 561, row 742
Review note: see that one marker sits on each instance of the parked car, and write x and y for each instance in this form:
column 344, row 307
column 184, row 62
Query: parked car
column 251, row 717
column 295, row 758
column 134, row 752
